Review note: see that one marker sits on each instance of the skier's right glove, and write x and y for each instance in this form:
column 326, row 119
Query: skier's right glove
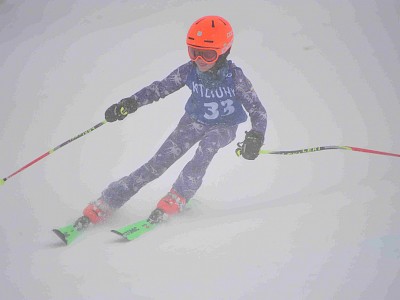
column 120, row 110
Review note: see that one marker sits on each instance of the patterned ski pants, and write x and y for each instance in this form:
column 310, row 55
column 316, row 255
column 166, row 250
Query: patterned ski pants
column 186, row 134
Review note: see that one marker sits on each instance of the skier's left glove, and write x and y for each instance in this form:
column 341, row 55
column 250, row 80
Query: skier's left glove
column 250, row 148
column 120, row 110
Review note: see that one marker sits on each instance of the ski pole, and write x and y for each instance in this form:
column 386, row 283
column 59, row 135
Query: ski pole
column 2, row 181
column 320, row 148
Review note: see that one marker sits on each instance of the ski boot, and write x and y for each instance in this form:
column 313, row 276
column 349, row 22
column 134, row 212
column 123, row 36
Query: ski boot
column 94, row 213
column 97, row 211
column 169, row 205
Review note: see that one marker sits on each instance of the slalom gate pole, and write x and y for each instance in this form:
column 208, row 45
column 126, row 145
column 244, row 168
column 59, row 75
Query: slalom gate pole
column 2, row 181
column 320, row 148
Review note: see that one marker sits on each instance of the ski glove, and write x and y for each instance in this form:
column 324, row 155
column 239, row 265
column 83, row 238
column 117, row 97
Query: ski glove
column 252, row 144
column 120, row 110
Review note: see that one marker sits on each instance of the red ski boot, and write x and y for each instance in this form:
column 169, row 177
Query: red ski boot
column 97, row 211
column 169, row 205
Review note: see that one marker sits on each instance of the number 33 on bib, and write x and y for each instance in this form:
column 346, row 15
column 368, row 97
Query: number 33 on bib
column 217, row 105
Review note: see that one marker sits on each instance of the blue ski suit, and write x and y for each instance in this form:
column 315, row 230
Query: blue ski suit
column 212, row 114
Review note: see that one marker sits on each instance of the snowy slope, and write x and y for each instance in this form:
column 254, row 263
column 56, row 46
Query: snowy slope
column 312, row 226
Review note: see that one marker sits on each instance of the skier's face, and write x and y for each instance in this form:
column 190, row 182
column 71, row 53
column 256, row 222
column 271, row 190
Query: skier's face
column 202, row 65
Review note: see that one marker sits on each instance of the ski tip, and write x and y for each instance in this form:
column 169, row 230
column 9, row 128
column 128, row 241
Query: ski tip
column 60, row 235
column 2, row 181
column 120, row 234
column 117, row 232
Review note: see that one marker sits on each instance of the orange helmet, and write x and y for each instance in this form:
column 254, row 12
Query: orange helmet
column 210, row 33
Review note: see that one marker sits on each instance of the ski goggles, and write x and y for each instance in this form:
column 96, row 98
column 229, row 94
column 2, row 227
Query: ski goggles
column 208, row 55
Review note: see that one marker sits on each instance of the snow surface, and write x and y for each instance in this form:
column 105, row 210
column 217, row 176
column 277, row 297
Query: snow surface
column 311, row 226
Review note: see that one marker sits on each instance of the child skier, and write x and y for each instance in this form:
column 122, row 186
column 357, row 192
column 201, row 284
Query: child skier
column 220, row 90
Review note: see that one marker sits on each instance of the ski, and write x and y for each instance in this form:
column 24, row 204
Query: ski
column 70, row 232
column 135, row 230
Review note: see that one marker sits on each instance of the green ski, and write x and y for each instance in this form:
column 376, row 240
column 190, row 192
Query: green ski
column 69, row 233
column 133, row 231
